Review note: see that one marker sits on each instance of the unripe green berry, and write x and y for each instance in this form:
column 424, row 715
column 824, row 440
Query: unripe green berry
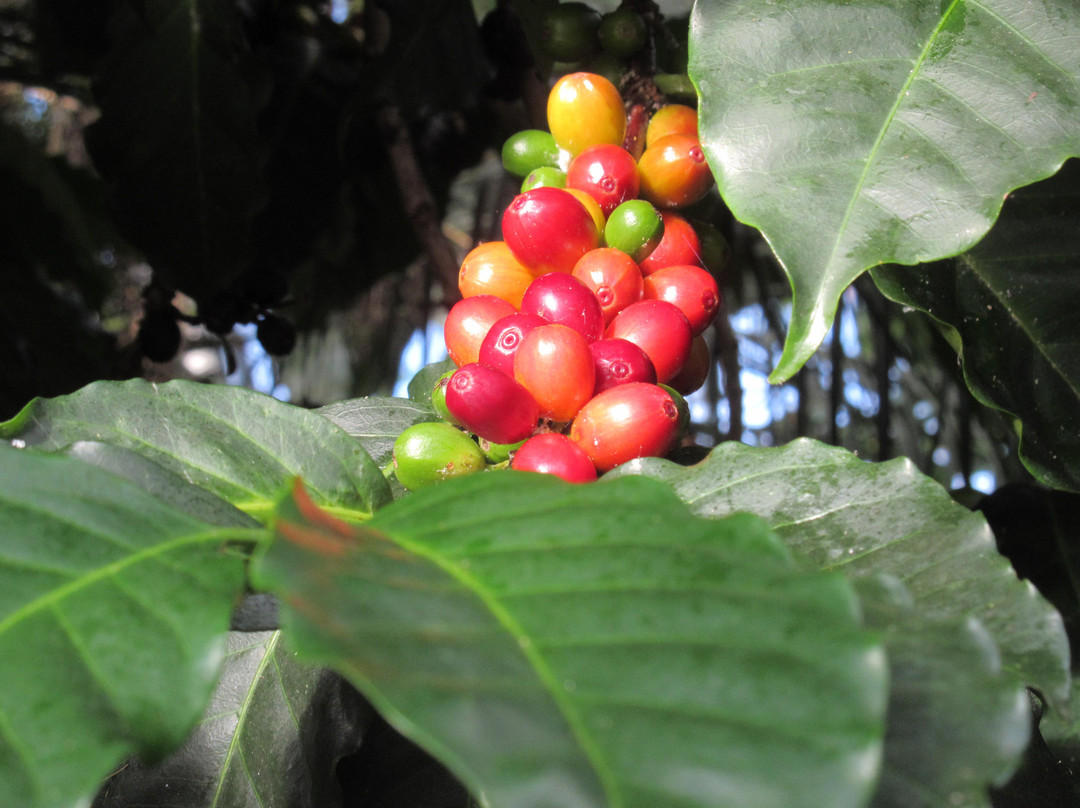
column 622, row 33
column 635, row 227
column 434, row 451
column 568, row 32
column 529, row 149
column 544, row 177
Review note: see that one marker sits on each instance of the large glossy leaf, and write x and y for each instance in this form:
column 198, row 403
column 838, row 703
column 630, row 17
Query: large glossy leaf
column 1009, row 307
column 853, row 134
column 271, row 737
column 590, row 645
column 843, row 513
column 956, row 722
column 113, row 611
column 242, row 446
column 178, row 140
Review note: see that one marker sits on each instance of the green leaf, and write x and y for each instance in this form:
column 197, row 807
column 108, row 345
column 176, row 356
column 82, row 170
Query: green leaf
column 855, row 134
column 242, row 446
column 271, row 737
column 590, row 645
column 177, row 139
column 169, row 488
column 421, row 385
column 377, row 421
column 1009, row 308
column 956, row 723
column 843, row 513
column 113, row 611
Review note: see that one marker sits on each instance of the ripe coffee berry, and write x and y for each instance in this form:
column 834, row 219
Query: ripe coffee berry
column 492, row 269
column 608, row 173
column 491, row 404
column 619, row 361
column 548, row 230
column 554, row 363
column 696, row 370
column 673, row 171
column 660, row 329
column 690, row 288
column 504, row 338
column 563, row 299
column 467, row 324
column 679, row 245
column 625, row 422
column 584, row 109
column 613, row 277
column 552, row 453
column 671, row 119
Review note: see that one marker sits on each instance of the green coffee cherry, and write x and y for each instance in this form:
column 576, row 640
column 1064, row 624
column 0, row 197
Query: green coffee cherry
column 529, row 149
column 635, row 227
column 622, row 33
column 495, row 453
column 682, row 406
column 431, row 452
column 568, row 32
column 438, row 397
column 544, row 177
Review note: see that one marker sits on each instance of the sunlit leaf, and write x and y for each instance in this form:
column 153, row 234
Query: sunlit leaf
column 113, row 611
column 377, row 421
column 590, row 645
column 855, row 134
column 843, row 513
column 242, row 446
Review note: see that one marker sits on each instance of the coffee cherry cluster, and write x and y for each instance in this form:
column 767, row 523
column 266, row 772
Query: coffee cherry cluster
column 579, row 333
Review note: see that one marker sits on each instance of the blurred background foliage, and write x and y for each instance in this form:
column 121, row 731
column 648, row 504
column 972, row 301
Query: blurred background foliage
column 312, row 173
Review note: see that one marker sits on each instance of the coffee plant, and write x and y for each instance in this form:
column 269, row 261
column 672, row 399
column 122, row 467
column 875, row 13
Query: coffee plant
column 524, row 582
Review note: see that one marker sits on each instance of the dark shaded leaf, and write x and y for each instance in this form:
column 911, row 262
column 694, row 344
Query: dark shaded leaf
column 589, row 645
column 177, row 140
column 271, row 737
column 1009, row 308
column 113, row 611
column 242, row 446
column 854, row 134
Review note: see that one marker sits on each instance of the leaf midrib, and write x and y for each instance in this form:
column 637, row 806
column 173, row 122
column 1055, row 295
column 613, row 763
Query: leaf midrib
column 102, row 573
column 529, row 648
column 871, row 156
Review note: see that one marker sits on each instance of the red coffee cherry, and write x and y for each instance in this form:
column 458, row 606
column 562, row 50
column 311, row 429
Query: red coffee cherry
column 613, row 277
column 563, row 299
column 548, row 230
column 619, row 361
column 679, row 245
column 491, row 404
column 691, row 288
column 554, row 363
column 492, row 269
column 504, row 338
column 673, row 172
column 627, row 421
column 660, row 329
column 467, row 324
column 552, row 453
column 606, row 172
column 696, row 370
